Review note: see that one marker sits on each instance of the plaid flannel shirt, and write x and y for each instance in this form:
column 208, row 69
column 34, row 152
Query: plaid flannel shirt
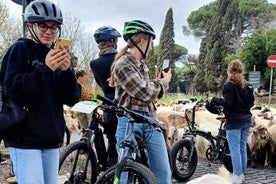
column 133, row 88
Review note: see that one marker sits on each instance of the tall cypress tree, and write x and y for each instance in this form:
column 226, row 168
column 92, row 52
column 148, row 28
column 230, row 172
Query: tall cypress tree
column 220, row 30
column 167, row 47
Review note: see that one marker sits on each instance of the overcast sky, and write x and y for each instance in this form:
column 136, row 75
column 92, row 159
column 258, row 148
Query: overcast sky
column 96, row 13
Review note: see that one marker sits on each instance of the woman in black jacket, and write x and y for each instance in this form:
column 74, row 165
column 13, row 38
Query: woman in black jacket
column 41, row 80
column 237, row 101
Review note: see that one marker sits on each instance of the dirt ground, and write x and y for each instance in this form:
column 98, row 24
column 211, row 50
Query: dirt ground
column 4, row 169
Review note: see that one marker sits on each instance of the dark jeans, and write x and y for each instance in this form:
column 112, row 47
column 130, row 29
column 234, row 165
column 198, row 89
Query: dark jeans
column 110, row 126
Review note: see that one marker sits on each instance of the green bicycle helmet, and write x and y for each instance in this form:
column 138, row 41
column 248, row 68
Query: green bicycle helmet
column 136, row 26
column 42, row 10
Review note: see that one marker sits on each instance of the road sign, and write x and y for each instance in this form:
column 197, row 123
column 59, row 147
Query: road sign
column 254, row 79
column 271, row 61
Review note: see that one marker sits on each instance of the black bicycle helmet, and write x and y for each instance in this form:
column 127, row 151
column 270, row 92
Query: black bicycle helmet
column 213, row 108
column 136, row 26
column 106, row 33
column 42, row 10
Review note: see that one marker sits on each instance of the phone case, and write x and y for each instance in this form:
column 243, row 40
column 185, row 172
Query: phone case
column 64, row 42
column 166, row 65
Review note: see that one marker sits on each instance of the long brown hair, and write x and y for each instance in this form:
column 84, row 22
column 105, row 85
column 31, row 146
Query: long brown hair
column 136, row 38
column 235, row 73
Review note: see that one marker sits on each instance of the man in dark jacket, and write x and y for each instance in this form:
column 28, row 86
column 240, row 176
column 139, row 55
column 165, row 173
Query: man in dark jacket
column 107, row 38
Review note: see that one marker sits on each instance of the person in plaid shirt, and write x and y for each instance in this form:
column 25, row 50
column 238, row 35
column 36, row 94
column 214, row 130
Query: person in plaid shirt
column 136, row 91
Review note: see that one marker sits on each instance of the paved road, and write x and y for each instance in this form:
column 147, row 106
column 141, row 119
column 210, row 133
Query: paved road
column 258, row 175
column 253, row 176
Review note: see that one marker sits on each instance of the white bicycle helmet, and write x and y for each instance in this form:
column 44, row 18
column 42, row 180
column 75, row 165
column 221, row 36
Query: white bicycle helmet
column 42, row 10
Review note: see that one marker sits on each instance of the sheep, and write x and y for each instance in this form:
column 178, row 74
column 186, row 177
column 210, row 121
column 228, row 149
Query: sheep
column 172, row 135
column 175, row 134
column 202, row 143
column 70, row 119
column 203, row 116
column 272, row 151
column 177, row 120
column 223, row 176
column 262, row 117
column 162, row 116
column 258, row 141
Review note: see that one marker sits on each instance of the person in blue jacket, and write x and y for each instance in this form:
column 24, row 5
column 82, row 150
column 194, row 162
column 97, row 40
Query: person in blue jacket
column 107, row 38
column 40, row 79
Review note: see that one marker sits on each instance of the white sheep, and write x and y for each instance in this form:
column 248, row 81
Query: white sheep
column 223, row 177
column 202, row 144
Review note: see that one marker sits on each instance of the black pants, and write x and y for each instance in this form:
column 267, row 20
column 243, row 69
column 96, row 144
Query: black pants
column 110, row 126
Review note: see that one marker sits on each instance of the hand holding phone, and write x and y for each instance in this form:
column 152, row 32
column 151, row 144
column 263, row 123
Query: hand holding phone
column 165, row 66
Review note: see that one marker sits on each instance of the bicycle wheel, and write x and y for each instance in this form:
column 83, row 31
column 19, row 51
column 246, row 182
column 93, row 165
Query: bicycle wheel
column 182, row 168
column 77, row 164
column 136, row 174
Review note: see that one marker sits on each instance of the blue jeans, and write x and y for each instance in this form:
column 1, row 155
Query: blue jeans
column 35, row 166
column 237, row 140
column 155, row 145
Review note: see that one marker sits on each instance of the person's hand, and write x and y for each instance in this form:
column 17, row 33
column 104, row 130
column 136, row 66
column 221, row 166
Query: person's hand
column 209, row 99
column 58, row 58
column 65, row 62
column 166, row 75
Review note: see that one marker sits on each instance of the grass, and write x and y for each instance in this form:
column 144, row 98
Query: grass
column 168, row 98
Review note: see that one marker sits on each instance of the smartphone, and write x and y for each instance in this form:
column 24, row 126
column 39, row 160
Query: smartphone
column 64, row 42
column 166, row 65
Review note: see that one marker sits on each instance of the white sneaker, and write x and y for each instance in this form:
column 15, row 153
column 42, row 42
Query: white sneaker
column 237, row 179
column 243, row 177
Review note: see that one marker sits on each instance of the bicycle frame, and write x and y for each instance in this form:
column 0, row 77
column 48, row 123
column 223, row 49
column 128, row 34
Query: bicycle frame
column 96, row 139
column 131, row 143
column 192, row 132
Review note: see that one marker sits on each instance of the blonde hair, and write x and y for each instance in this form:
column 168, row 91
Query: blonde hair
column 136, row 39
column 235, row 73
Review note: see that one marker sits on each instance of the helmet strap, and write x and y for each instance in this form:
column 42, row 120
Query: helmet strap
column 147, row 48
column 33, row 34
column 142, row 53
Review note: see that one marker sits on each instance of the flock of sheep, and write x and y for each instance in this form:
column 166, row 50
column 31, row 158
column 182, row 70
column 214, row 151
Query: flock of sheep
column 261, row 141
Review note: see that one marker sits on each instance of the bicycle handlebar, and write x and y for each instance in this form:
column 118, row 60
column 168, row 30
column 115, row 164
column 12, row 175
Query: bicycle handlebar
column 136, row 116
column 192, row 120
column 106, row 100
column 197, row 104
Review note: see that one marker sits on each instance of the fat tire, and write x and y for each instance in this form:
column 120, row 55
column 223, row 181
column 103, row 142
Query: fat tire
column 86, row 150
column 177, row 147
column 107, row 177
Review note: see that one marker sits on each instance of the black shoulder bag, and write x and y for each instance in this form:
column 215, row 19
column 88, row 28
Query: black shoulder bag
column 11, row 115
